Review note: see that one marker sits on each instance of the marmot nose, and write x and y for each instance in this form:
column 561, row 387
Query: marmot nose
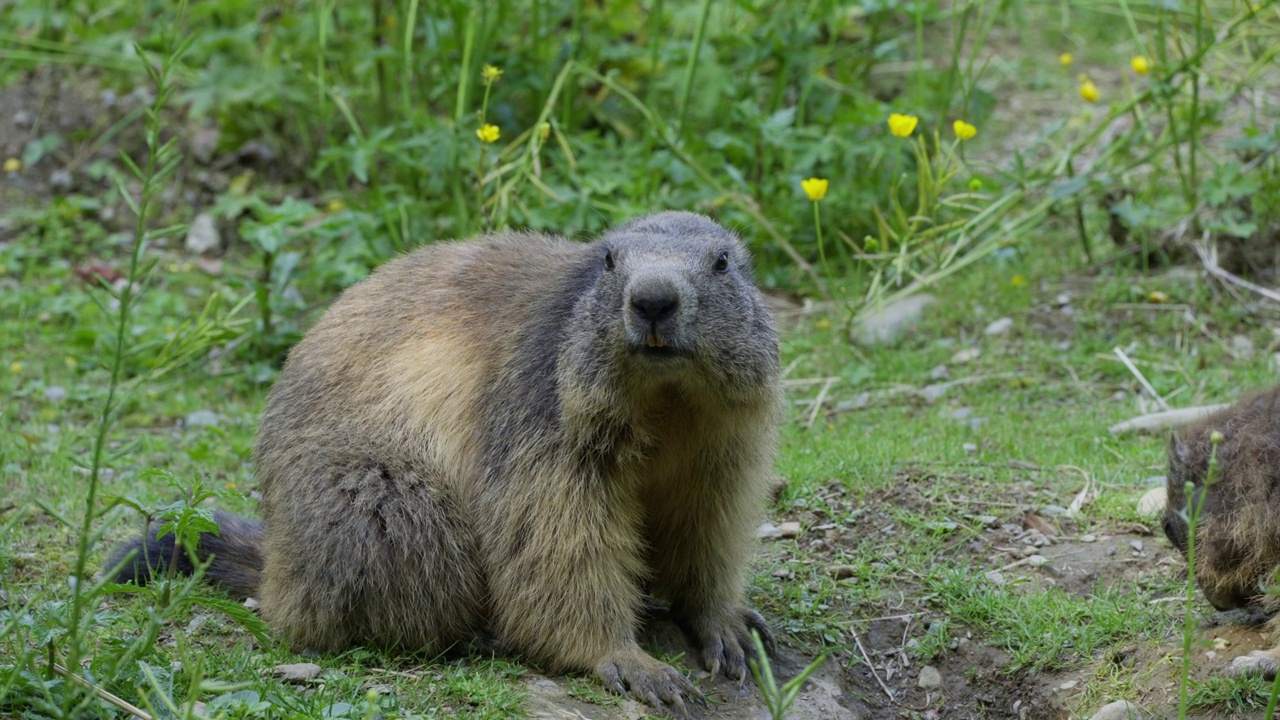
column 655, row 304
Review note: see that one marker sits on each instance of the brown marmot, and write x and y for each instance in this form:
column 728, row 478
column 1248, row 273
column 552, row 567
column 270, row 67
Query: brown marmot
column 1237, row 540
column 516, row 437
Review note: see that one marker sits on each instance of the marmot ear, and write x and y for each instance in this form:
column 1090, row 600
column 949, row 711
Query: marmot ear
column 1178, row 450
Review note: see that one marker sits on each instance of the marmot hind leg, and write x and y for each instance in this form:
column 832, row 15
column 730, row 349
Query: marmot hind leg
column 389, row 562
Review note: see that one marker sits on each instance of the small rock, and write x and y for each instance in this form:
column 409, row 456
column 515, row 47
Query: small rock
column 999, row 327
column 887, row 324
column 204, row 144
column 929, row 678
column 252, row 603
column 1118, row 710
column 1052, row 510
column 1152, row 502
column 1063, row 299
column 61, row 180
column 55, row 393
column 1088, row 538
column 768, row 531
column 970, row 448
column 1037, row 561
column 995, row 577
column 931, row 393
column 789, row 529
column 842, row 572
column 297, row 672
column 1242, row 346
column 1136, row 545
column 966, row 355
column 203, row 418
column 203, row 237
column 1068, row 684
column 939, row 373
column 24, row 118
column 962, row 413
column 987, row 520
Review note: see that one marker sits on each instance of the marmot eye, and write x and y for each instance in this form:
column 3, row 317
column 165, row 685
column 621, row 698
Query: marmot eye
column 608, row 260
column 722, row 263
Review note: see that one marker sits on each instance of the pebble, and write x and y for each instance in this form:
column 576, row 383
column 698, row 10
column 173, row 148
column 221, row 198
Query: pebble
column 24, row 118
column 297, row 672
column 789, row 529
column 841, row 572
column 1152, row 502
column 61, row 180
column 203, row 237
column 962, row 413
column 1053, row 510
column 929, row 678
column 203, row 418
column 999, row 327
column 1136, row 545
column 995, row 577
column 1088, row 538
column 55, row 393
column 768, row 531
column 1118, row 710
column 931, row 393
column 967, row 355
column 887, row 324
column 970, row 448
column 1038, row 561
column 939, row 373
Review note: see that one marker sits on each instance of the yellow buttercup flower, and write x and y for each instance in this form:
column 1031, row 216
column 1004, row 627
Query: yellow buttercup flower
column 815, row 188
column 1140, row 64
column 335, row 205
column 1157, row 297
column 902, row 125
column 490, row 73
column 1089, row 91
column 1018, row 281
column 964, row 130
column 488, row 133
column 15, row 368
column 1065, row 60
column 12, row 165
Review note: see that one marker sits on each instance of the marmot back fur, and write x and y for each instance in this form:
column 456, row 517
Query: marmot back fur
column 516, row 437
column 1237, row 541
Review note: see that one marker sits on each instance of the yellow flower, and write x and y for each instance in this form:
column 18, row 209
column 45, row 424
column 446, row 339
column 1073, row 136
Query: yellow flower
column 815, row 188
column 1089, row 91
column 335, row 205
column 822, row 323
column 488, row 133
column 964, row 130
column 902, row 125
column 1140, row 64
column 1157, row 297
column 12, row 165
column 1018, row 281
column 1065, row 60
column 490, row 73
column 15, row 368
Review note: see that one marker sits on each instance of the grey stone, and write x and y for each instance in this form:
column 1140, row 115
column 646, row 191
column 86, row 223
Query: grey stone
column 1118, row 710
column 929, row 678
column 203, row 418
column 999, row 327
column 768, row 531
column 203, row 237
column 297, row 672
column 886, row 324
column 55, row 393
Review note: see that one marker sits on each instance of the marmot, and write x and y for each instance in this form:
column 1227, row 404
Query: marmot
column 516, row 437
column 1237, row 548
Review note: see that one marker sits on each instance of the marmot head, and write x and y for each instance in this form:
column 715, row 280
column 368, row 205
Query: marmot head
column 674, row 294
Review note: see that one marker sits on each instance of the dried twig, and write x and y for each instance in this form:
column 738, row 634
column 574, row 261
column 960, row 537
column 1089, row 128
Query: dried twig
column 817, row 404
column 1141, row 378
column 1209, row 258
column 113, row 699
